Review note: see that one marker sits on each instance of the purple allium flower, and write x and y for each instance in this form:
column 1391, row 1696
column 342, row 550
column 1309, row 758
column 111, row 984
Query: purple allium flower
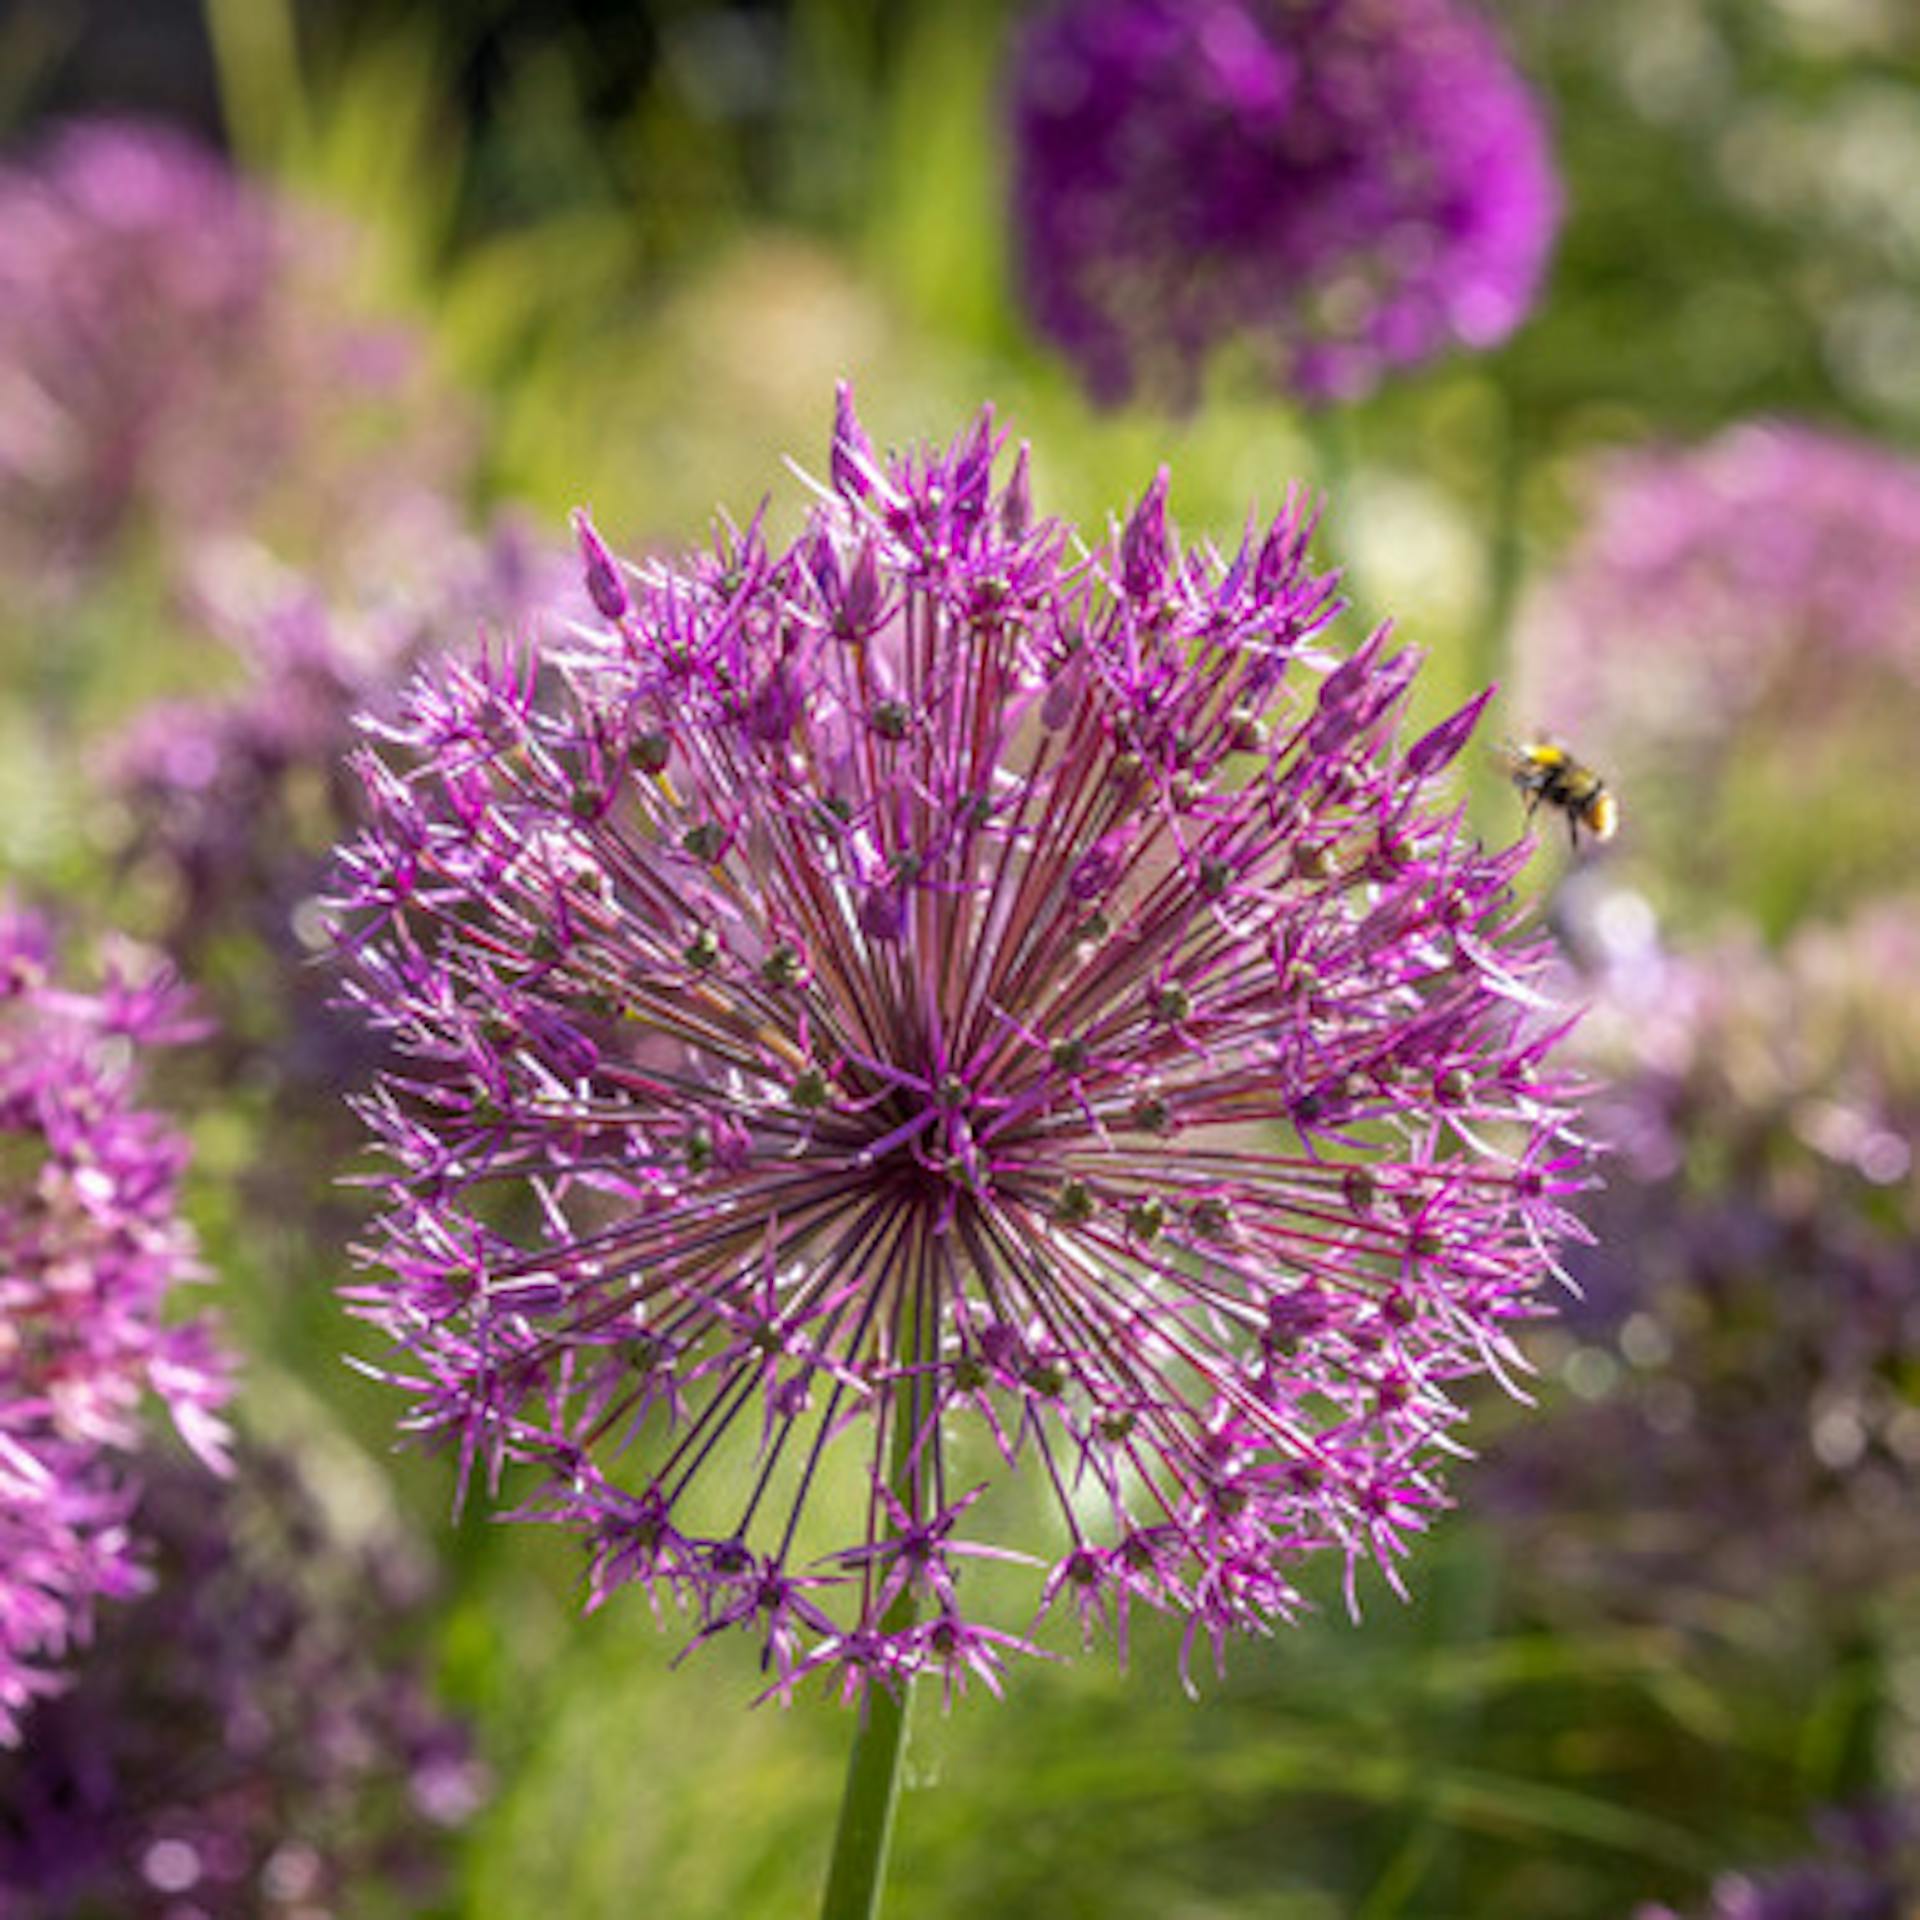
column 171, row 338
column 935, row 994
column 1868, row 1868
column 91, row 1250
column 1750, row 1330
column 1346, row 186
column 230, row 800
column 246, row 1741
column 1758, row 571
column 1733, row 643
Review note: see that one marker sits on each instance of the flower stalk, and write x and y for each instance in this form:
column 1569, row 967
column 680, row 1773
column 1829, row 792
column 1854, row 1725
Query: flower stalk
column 865, row 1831
column 856, row 1875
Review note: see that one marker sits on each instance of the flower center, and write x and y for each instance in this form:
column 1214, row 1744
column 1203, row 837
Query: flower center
column 928, row 1139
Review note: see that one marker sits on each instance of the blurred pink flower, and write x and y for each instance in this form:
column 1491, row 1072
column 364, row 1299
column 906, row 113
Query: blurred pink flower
column 180, row 351
column 91, row 1253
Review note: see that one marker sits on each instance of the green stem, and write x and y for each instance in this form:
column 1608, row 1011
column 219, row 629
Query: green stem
column 1504, row 554
column 858, row 1871
column 1490, row 644
column 257, row 61
column 859, row 1868
column 1328, row 434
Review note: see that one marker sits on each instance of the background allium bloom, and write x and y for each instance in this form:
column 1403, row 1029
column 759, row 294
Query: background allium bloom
column 1762, row 568
column 1347, row 186
column 90, row 1251
column 1735, row 641
column 245, row 1742
column 930, row 995
column 1868, row 1868
column 230, row 801
column 170, row 339
column 1751, row 1322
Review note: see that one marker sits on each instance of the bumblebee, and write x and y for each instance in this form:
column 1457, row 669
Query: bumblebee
column 1547, row 773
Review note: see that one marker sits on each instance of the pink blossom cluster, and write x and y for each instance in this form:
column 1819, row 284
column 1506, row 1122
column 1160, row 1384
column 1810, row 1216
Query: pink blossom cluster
column 92, row 1252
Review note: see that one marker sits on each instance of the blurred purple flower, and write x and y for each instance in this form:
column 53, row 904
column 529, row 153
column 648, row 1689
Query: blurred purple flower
column 91, row 1250
column 936, row 990
column 176, row 345
column 1759, row 572
column 230, row 800
column 1751, row 1323
column 1868, row 1868
column 1344, row 186
column 244, row 1743
column 1735, row 642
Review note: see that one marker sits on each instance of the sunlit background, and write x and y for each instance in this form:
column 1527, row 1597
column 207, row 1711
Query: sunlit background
column 496, row 261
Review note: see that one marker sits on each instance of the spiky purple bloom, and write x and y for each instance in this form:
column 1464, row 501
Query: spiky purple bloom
column 1868, row 1868
column 1344, row 187
column 248, row 1741
column 1749, row 1334
column 1771, row 571
column 91, row 1251
column 179, row 354
column 936, row 990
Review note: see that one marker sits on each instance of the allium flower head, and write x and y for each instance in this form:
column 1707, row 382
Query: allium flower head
column 1867, row 1868
column 90, row 1251
column 1755, row 571
column 1735, row 640
column 937, row 994
column 230, row 800
column 1732, row 644
column 1750, row 1326
column 1346, row 186
column 247, row 1741
column 169, row 337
